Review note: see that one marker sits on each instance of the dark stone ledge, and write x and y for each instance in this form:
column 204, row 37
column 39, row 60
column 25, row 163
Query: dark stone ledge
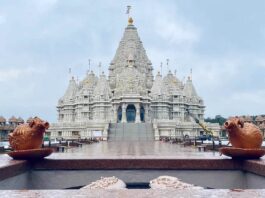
column 129, row 163
column 254, row 166
column 12, row 168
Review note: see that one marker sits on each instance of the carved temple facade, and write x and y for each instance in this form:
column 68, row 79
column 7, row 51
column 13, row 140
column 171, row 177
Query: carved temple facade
column 130, row 93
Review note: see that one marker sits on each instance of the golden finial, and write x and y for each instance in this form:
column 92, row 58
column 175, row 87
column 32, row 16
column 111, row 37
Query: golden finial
column 130, row 21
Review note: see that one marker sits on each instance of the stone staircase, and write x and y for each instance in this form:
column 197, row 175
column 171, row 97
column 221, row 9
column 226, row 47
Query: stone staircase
column 131, row 132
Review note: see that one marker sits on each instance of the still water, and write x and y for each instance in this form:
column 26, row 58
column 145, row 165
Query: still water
column 224, row 142
column 6, row 144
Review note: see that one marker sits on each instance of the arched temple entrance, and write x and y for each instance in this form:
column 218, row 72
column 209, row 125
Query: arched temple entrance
column 130, row 113
column 119, row 114
column 142, row 112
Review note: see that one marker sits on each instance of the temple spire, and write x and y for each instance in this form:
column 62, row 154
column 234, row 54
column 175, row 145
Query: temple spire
column 71, row 90
column 161, row 67
column 99, row 67
column 189, row 89
column 167, row 64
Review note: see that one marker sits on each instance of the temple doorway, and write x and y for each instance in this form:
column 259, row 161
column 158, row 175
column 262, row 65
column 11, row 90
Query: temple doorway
column 119, row 114
column 142, row 111
column 130, row 113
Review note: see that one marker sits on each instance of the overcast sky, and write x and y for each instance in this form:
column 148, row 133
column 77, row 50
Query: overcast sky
column 223, row 41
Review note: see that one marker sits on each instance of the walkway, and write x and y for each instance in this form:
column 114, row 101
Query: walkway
column 148, row 149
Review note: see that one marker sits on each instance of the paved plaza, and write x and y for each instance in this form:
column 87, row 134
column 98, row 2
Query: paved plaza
column 141, row 149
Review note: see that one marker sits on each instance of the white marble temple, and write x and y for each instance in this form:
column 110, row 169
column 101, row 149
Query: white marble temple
column 129, row 94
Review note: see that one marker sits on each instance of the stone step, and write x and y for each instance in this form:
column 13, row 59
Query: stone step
column 131, row 132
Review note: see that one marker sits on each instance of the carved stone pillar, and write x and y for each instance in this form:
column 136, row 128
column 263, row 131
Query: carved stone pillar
column 137, row 119
column 146, row 112
column 115, row 114
column 123, row 118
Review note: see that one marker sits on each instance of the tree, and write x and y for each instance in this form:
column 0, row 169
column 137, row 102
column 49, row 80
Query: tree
column 217, row 119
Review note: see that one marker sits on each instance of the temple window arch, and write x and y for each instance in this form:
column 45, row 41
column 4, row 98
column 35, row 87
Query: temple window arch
column 130, row 113
column 142, row 114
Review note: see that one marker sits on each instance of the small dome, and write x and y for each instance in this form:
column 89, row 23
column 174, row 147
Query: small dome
column 246, row 118
column 71, row 90
column 262, row 126
column 189, row 89
column 171, row 82
column 102, row 88
column 20, row 120
column 260, row 118
column 12, row 119
column 158, row 88
column 29, row 119
column 2, row 119
column 89, row 81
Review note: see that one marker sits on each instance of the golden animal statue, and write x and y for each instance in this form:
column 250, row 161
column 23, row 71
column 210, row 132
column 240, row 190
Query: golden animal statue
column 29, row 135
column 243, row 135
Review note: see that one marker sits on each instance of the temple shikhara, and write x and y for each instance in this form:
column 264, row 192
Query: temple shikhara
column 130, row 102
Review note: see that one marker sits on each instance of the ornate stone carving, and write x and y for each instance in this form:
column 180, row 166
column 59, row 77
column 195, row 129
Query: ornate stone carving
column 102, row 89
column 131, row 52
column 130, row 81
column 106, row 183
column 168, row 182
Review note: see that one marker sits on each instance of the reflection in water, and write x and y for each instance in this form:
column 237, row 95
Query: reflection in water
column 140, row 148
column 4, row 144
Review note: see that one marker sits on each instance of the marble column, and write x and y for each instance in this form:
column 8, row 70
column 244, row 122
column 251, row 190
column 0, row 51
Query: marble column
column 137, row 119
column 146, row 113
column 123, row 118
column 115, row 114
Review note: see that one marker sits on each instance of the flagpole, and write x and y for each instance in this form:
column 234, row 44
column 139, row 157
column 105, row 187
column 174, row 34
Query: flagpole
column 128, row 11
column 89, row 65
column 167, row 64
column 70, row 72
column 99, row 66
column 161, row 65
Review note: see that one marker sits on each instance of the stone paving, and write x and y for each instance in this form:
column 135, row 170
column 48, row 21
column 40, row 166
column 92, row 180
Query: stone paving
column 148, row 149
column 133, row 149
